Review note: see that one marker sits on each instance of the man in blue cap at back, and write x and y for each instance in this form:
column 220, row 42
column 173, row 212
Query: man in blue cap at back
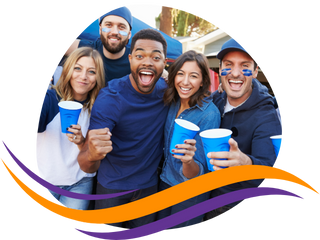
column 248, row 111
column 115, row 32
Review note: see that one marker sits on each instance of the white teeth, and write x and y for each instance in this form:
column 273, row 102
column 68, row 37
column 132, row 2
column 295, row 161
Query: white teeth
column 146, row 73
column 185, row 89
column 234, row 81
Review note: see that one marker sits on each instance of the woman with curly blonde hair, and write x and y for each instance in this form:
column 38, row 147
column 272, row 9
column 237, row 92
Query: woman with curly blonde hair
column 81, row 79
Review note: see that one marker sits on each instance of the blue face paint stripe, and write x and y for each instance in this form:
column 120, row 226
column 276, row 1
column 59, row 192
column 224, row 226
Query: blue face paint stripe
column 123, row 33
column 247, row 72
column 225, row 71
column 106, row 30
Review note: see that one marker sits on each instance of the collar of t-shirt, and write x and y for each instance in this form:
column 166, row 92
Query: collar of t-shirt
column 82, row 102
column 228, row 107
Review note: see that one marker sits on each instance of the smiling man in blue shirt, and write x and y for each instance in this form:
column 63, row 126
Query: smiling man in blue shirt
column 115, row 32
column 125, row 137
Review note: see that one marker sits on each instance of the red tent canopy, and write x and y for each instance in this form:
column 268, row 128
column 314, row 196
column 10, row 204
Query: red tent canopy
column 214, row 81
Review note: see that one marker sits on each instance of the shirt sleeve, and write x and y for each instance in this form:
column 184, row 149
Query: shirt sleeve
column 106, row 110
column 49, row 110
column 262, row 148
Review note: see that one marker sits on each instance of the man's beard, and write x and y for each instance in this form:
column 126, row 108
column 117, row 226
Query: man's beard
column 113, row 49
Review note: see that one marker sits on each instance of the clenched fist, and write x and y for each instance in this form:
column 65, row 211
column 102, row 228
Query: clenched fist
column 97, row 145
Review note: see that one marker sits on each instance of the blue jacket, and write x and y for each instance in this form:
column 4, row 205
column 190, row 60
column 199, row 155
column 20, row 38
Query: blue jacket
column 252, row 124
column 205, row 117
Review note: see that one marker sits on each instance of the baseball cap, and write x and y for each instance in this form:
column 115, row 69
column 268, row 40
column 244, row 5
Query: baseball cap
column 229, row 46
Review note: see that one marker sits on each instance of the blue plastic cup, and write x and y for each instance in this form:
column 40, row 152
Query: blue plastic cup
column 215, row 140
column 182, row 131
column 276, row 141
column 69, row 114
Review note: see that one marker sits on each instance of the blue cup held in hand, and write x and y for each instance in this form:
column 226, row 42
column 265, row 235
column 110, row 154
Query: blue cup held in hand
column 215, row 140
column 69, row 114
column 183, row 130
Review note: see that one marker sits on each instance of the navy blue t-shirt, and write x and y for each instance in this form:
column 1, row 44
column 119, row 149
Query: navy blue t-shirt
column 136, row 122
column 113, row 68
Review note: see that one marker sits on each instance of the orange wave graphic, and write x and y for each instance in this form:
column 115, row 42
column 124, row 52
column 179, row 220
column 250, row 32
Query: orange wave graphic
column 166, row 198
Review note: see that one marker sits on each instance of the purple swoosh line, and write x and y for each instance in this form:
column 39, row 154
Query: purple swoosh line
column 189, row 213
column 62, row 191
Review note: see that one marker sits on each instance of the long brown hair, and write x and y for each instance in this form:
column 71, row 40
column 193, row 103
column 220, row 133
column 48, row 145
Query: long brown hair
column 171, row 94
column 63, row 87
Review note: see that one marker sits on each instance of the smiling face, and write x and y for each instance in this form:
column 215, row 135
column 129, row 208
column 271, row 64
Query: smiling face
column 188, row 80
column 237, row 71
column 147, row 62
column 83, row 78
column 114, row 33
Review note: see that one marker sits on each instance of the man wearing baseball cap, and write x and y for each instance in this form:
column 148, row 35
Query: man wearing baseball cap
column 248, row 111
column 115, row 32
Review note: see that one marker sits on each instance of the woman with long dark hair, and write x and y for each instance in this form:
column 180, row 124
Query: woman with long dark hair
column 189, row 98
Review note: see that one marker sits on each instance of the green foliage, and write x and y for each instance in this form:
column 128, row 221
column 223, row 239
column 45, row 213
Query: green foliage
column 186, row 24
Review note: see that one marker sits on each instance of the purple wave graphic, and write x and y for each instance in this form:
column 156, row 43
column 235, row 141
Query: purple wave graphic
column 158, row 227
column 189, row 213
column 62, row 191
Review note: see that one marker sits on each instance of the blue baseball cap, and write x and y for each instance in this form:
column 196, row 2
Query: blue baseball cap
column 229, row 46
column 123, row 12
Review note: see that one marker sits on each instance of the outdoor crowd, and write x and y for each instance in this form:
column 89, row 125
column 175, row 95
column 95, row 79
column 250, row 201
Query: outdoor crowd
column 122, row 139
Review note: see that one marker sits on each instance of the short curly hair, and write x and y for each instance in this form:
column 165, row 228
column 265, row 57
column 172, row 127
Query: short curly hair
column 149, row 34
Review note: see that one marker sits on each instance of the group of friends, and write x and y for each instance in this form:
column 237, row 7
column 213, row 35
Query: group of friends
column 122, row 139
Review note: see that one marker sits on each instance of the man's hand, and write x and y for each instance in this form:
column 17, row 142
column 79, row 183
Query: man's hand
column 165, row 75
column 99, row 144
column 220, row 88
column 234, row 157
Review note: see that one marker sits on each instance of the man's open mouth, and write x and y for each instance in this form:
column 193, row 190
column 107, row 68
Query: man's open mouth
column 146, row 77
column 235, row 84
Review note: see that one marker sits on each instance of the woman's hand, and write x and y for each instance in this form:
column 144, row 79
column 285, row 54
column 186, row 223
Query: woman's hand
column 190, row 168
column 188, row 149
column 76, row 136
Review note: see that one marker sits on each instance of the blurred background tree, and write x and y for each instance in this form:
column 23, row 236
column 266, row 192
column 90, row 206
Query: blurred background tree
column 178, row 23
